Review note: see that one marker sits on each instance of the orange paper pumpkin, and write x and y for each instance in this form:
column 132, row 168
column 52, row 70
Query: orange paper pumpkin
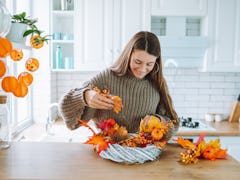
column 21, row 90
column 16, row 55
column 36, row 42
column 9, row 83
column 2, row 68
column 25, row 78
column 5, row 47
column 32, row 64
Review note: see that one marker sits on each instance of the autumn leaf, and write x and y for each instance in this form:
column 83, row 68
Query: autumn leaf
column 185, row 143
column 99, row 141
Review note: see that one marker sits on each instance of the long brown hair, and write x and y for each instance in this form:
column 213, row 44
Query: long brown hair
column 148, row 42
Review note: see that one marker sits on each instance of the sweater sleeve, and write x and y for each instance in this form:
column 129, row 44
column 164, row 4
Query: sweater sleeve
column 72, row 105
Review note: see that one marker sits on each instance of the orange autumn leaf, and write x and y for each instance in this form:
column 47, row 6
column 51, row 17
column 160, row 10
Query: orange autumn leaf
column 161, row 144
column 185, row 143
column 221, row 154
column 117, row 104
column 85, row 124
column 98, row 141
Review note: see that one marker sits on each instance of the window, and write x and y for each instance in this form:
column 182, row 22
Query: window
column 158, row 25
column 193, row 26
column 20, row 108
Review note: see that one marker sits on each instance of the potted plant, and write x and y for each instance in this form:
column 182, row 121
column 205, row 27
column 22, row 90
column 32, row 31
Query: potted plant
column 23, row 26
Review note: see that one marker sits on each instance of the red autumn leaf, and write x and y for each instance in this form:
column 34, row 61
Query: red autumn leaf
column 200, row 139
column 107, row 124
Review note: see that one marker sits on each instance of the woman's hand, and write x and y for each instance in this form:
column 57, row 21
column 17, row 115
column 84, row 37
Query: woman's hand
column 95, row 100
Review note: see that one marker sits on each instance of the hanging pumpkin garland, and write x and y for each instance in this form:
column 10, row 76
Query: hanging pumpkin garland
column 25, row 78
column 5, row 47
column 16, row 55
column 2, row 68
column 17, row 86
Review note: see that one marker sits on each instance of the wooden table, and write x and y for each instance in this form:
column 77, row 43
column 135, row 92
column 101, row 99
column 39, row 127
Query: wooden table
column 34, row 160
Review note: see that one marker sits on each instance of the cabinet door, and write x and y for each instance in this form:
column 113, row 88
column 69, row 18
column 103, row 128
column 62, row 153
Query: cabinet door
column 224, row 33
column 89, row 30
column 102, row 29
column 125, row 19
column 232, row 144
column 62, row 30
column 179, row 8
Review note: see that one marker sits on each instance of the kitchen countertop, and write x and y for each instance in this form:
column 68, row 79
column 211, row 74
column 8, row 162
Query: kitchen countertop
column 34, row 160
column 222, row 128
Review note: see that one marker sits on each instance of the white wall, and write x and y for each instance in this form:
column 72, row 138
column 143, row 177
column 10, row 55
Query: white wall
column 194, row 93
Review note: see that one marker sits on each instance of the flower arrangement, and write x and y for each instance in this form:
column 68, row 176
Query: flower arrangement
column 144, row 146
column 200, row 149
column 115, row 143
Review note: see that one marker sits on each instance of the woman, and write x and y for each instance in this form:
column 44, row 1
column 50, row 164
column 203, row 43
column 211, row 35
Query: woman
column 136, row 77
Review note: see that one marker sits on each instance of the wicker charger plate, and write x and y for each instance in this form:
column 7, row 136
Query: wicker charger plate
column 131, row 155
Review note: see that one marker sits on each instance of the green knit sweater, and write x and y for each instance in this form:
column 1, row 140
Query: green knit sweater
column 139, row 96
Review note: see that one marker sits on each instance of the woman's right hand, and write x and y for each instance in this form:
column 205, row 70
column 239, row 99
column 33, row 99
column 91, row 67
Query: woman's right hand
column 95, row 100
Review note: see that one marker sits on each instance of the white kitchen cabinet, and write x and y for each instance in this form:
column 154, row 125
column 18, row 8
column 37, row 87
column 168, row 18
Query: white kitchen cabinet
column 223, row 29
column 100, row 30
column 220, row 25
column 179, row 8
column 103, row 29
column 232, row 143
column 62, row 22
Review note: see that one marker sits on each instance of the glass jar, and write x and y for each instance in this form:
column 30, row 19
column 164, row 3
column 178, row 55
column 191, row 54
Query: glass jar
column 4, row 123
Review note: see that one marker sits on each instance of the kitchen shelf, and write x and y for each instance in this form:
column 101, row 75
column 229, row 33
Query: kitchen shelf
column 62, row 30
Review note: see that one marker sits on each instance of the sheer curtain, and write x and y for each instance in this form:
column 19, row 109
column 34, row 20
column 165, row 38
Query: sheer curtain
column 21, row 108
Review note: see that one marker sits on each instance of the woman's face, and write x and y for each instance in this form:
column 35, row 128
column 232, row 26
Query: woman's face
column 141, row 63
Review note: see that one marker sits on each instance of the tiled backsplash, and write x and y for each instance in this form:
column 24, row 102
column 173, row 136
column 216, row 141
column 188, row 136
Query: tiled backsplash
column 194, row 93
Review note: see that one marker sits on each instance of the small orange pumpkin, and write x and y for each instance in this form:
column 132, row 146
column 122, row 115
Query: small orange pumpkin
column 25, row 78
column 32, row 64
column 5, row 47
column 16, row 55
column 209, row 153
column 2, row 68
column 9, row 83
column 157, row 134
column 36, row 41
column 21, row 90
